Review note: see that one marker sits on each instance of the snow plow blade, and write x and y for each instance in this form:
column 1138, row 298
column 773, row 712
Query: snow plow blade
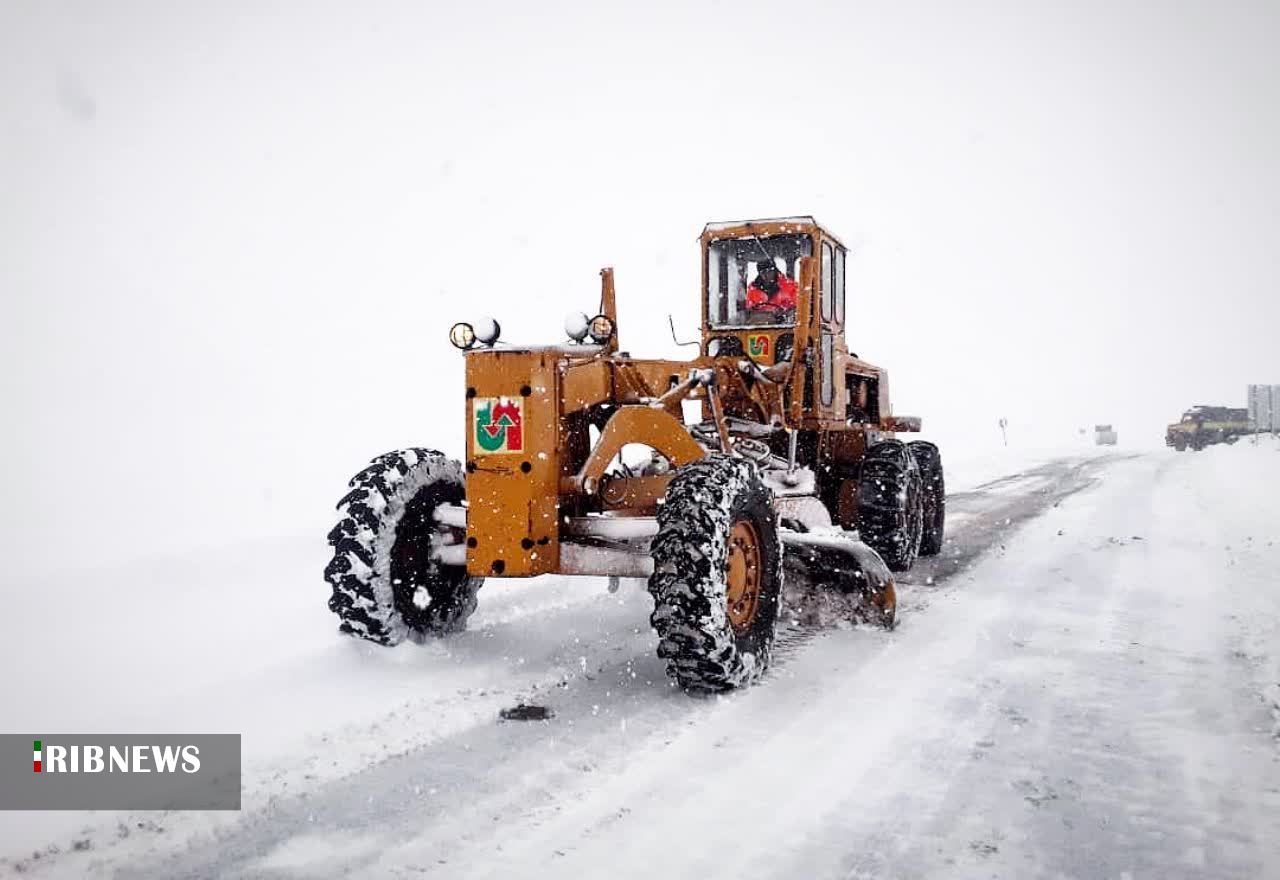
column 839, row 561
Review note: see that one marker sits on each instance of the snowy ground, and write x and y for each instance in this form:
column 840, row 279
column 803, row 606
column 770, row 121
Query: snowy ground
column 1085, row 684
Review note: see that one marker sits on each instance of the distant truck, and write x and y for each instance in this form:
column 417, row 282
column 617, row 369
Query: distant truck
column 1203, row 426
column 1104, row 435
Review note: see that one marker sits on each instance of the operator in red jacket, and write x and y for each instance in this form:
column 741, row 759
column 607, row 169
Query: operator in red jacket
column 772, row 290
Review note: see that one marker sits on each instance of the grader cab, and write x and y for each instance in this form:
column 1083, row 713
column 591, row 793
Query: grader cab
column 786, row 454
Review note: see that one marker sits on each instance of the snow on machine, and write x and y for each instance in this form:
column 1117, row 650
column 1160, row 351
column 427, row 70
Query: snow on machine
column 788, row 447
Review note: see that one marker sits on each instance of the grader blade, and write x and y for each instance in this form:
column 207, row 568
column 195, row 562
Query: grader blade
column 837, row 561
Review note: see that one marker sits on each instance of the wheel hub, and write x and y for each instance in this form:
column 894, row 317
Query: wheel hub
column 743, row 575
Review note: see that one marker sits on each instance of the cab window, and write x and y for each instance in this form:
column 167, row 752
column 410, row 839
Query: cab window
column 828, row 368
column 741, row 290
column 828, row 280
column 839, row 287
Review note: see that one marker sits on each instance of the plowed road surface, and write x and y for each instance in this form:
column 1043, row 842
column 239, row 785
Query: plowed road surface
column 1084, row 684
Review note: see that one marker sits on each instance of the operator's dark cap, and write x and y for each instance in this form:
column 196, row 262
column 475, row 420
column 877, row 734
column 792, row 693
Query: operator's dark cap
column 767, row 266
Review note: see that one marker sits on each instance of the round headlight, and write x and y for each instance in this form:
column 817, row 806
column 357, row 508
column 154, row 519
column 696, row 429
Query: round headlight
column 462, row 335
column 487, row 331
column 576, row 325
column 601, row 329
column 713, row 348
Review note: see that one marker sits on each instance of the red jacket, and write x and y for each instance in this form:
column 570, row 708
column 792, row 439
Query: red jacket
column 785, row 297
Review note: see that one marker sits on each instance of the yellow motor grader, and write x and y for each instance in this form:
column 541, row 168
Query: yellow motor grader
column 775, row 439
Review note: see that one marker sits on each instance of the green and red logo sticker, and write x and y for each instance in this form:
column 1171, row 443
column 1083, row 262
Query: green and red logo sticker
column 758, row 345
column 38, row 753
column 499, row 424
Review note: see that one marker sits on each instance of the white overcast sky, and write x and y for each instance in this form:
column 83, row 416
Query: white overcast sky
column 233, row 235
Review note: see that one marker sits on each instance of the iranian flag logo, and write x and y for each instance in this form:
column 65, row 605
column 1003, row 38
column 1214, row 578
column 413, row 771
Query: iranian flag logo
column 38, row 751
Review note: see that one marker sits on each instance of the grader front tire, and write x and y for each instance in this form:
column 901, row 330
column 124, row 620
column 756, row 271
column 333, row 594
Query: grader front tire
column 386, row 585
column 717, row 575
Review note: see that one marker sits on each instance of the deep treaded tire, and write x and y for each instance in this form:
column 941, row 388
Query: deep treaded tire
column 890, row 510
column 386, row 586
column 934, row 495
column 709, row 506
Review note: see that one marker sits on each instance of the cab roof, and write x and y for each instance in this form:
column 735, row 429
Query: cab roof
column 766, row 226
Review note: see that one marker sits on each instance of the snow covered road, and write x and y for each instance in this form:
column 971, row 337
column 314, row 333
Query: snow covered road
column 1085, row 684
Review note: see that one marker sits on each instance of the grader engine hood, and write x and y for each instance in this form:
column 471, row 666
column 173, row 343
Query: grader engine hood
column 512, row 466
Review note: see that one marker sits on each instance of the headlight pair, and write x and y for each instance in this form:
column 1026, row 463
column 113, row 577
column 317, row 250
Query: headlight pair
column 578, row 327
column 486, row 331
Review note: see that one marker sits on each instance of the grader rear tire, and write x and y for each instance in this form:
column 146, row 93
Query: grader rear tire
column 890, row 504
column 717, row 575
column 934, row 496
column 386, row 586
